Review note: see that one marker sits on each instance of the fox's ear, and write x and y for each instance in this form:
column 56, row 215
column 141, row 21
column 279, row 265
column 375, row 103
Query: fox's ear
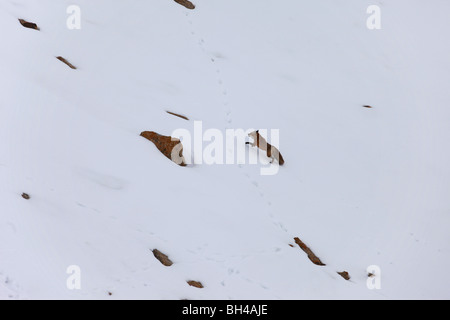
column 257, row 131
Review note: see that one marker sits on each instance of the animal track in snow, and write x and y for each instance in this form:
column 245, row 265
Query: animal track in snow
column 261, row 193
column 213, row 58
column 201, row 42
column 8, row 288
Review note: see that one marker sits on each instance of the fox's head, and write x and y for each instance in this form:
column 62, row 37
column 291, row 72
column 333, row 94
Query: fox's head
column 254, row 135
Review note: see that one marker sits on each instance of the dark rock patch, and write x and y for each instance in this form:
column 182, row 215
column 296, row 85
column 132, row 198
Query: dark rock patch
column 314, row 259
column 164, row 259
column 172, row 148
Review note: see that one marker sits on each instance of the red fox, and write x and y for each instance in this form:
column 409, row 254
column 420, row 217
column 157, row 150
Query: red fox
column 260, row 142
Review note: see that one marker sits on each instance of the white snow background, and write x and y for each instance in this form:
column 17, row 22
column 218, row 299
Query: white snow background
column 360, row 186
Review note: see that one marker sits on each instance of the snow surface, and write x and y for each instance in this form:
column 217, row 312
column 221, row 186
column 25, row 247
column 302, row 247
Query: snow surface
column 360, row 186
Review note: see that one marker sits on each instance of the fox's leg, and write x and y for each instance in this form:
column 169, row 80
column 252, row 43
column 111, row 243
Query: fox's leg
column 250, row 143
column 269, row 152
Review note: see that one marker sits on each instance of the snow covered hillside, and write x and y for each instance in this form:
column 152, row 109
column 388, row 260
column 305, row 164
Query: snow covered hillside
column 360, row 187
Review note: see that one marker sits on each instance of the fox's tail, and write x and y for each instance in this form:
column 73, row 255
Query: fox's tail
column 280, row 159
column 272, row 151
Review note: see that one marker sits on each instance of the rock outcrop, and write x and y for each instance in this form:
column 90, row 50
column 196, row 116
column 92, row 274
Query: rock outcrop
column 186, row 3
column 172, row 148
column 164, row 259
column 314, row 259
column 29, row 25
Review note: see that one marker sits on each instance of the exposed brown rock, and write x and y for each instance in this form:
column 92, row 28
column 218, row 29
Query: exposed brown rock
column 178, row 115
column 314, row 259
column 172, row 148
column 196, row 284
column 367, row 106
column 29, row 25
column 66, row 62
column 344, row 274
column 186, row 3
column 26, row 196
column 164, row 259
